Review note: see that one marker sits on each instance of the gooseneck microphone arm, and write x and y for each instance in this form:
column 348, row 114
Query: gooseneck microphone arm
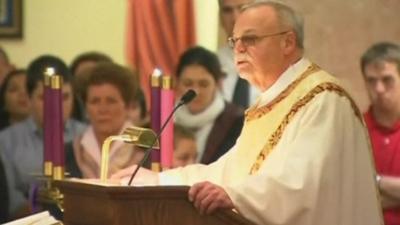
column 186, row 98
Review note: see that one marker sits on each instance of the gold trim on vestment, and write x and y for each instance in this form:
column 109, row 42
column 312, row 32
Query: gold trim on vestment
column 277, row 134
column 254, row 112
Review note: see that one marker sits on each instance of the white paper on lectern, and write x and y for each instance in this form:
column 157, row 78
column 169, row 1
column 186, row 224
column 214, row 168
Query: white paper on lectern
column 42, row 218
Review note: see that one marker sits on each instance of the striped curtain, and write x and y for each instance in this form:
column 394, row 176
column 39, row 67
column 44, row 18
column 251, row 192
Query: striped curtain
column 158, row 31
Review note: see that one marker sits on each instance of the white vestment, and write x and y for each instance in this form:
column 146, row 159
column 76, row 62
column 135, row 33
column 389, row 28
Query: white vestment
column 303, row 157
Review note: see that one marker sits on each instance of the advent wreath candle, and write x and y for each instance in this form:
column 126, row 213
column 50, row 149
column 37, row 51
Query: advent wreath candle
column 57, row 128
column 155, row 115
column 47, row 123
column 167, row 137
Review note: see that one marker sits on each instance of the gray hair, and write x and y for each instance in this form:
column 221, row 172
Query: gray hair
column 286, row 16
column 221, row 3
column 381, row 52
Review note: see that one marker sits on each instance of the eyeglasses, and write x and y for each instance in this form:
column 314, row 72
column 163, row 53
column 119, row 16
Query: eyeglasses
column 250, row 40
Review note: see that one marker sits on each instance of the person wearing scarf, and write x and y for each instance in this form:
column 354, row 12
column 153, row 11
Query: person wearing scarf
column 215, row 122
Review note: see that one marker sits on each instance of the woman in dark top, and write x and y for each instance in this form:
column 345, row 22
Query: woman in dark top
column 14, row 101
column 215, row 122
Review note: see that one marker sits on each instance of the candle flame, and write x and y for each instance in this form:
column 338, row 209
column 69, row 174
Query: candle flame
column 50, row 71
column 156, row 72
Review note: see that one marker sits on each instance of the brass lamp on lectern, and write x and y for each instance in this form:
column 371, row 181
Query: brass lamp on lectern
column 138, row 136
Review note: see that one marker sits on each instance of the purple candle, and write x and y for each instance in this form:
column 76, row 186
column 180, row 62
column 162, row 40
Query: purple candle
column 57, row 128
column 155, row 115
column 47, row 124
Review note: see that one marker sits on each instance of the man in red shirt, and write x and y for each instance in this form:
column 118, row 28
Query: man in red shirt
column 380, row 66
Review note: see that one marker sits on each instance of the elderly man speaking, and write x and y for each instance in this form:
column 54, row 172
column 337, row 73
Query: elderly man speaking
column 303, row 157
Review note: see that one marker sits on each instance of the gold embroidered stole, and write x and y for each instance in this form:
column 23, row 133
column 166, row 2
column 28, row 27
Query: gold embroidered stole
column 265, row 125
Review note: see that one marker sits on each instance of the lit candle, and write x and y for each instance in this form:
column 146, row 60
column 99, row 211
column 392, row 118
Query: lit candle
column 155, row 115
column 47, row 123
column 167, row 137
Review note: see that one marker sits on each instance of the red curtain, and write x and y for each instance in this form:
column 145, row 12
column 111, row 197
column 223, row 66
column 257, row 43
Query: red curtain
column 158, row 31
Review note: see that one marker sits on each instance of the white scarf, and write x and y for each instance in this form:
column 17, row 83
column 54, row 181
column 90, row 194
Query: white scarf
column 184, row 117
column 201, row 122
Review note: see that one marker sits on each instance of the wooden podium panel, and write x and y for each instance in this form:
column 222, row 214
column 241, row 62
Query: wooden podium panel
column 90, row 204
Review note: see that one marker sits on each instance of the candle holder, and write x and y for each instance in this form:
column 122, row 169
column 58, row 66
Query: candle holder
column 46, row 196
column 50, row 195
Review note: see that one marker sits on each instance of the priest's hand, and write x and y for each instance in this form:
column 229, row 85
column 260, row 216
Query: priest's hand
column 207, row 197
column 143, row 176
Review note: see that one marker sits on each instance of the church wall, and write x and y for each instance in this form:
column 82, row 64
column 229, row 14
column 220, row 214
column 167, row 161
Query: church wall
column 336, row 32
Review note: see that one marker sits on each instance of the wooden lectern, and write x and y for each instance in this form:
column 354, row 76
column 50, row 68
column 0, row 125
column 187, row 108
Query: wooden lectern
column 90, row 204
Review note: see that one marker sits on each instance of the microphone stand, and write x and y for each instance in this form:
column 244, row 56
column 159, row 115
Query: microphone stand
column 148, row 150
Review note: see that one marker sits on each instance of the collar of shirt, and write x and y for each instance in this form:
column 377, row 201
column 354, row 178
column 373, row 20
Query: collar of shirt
column 286, row 78
column 31, row 124
column 370, row 119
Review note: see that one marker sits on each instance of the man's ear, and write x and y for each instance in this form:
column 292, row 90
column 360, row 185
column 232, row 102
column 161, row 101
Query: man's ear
column 289, row 42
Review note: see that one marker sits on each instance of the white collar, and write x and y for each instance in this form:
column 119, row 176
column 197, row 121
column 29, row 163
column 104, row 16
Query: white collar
column 284, row 80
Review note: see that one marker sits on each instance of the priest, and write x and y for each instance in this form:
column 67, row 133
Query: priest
column 303, row 157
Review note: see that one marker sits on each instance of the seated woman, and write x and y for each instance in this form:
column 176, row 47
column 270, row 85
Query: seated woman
column 107, row 94
column 216, row 123
column 14, row 100
column 22, row 143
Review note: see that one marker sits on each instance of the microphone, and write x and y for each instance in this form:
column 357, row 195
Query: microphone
column 186, row 98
